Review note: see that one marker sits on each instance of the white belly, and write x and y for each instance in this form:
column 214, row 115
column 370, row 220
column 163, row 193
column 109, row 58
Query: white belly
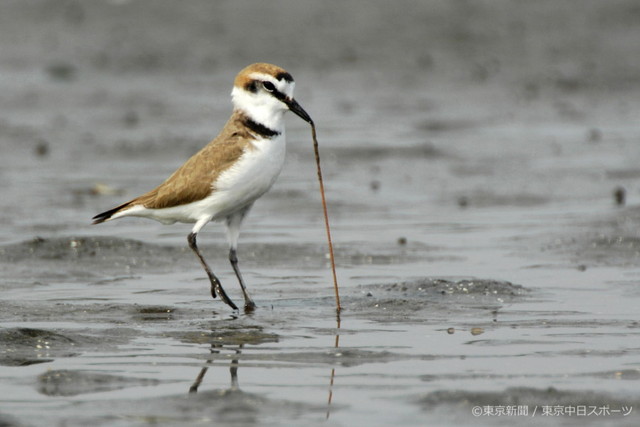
column 247, row 180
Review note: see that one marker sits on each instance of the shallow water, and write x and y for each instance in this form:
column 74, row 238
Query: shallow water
column 482, row 258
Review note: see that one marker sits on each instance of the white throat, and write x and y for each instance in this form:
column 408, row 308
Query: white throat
column 263, row 109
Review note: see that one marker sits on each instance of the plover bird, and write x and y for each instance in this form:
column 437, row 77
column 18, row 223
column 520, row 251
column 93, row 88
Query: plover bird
column 223, row 180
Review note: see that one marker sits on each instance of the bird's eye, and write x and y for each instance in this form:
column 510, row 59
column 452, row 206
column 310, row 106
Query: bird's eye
column 268, row 86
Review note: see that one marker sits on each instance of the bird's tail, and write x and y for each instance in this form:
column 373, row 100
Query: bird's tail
column 106, row 215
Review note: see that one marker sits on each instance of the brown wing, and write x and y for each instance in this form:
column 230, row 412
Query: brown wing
column 193, row 181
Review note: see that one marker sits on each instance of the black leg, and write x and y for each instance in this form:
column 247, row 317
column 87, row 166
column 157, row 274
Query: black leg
column 215, row 283
column 249, row 305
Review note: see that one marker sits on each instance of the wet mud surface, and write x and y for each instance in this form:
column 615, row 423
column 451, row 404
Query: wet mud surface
column 481, row 167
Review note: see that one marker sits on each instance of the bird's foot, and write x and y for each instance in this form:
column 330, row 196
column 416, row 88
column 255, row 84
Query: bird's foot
column 249, row 306
column 216, row 289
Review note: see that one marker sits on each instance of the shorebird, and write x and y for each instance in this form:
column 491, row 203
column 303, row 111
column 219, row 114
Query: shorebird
column 223, row 180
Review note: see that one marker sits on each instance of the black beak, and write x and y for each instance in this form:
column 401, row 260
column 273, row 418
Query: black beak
column 296, row 108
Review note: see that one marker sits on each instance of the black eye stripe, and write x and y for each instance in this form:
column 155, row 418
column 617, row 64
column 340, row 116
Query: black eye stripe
column 279, row 95
column 270, row 87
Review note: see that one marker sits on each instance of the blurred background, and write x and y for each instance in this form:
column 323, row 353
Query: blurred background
column 87, row 86
column 568, row 45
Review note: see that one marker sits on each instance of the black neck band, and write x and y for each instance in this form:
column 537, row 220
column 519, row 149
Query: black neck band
column 260, row 129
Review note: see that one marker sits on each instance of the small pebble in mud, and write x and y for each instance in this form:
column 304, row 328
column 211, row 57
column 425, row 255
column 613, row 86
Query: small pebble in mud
column 595, row 135
column 402, row 241
column 42, row 148
column 450, row 331
column 477, row 331
column 61, row 71
column 131, row 119
column 582, row 267
column 463, row 201
column 374, row 185
column 620, row 196
column 99, row 189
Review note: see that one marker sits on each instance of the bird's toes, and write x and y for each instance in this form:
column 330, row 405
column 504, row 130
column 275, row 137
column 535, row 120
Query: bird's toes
column 249, row 307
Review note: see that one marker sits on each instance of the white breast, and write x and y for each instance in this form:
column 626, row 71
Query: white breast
column 248, row 179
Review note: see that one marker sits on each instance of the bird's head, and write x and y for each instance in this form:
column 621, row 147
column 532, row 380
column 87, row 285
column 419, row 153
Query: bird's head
column 265, row 92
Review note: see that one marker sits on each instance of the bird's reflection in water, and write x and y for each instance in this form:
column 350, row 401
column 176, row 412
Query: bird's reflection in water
column 223, row 339
column 233, row 368
column 235, row 341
